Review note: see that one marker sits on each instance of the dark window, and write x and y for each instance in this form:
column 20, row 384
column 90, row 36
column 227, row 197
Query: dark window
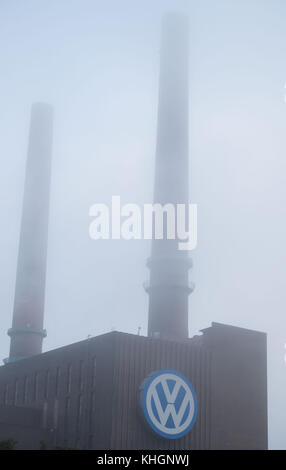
column 25, row 392
column 16, row 392
column 92, row 412
column 45, row 414
column 81, row 382
column 93, row 402
column 36, row 386
column 67, row 414
column 6, row 394
column 67, row 406
column 69, row 378
column 93, row 371
column 47, row 384
column 79, row 411
column 58, row 378
column 56, row 413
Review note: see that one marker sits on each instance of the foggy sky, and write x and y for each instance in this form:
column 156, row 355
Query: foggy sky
column 97, row 63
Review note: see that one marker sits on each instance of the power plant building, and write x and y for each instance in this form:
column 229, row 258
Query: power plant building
column 88, row 393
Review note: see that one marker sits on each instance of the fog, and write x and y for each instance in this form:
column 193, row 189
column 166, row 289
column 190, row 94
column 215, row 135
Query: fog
column 97, row 63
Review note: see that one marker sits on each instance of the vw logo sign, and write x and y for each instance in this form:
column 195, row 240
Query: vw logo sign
column 169, row 403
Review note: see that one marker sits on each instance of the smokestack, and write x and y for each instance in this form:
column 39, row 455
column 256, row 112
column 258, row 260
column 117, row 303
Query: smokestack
column 27, row 330
column 169, row 287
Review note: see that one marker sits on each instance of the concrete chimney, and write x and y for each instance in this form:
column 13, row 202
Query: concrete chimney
column 169, row 287
column 27, row 330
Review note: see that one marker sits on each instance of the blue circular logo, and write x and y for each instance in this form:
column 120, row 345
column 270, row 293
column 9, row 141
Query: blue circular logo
column 169, row 403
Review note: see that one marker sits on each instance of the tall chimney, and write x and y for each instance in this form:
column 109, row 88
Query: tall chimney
column 27, row 330
column 169, row 287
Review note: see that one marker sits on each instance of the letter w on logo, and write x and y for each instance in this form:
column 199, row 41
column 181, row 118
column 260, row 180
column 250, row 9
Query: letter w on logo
column 170, row 408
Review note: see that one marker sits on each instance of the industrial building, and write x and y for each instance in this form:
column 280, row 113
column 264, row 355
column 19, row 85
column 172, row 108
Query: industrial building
column 122, row 391
column 88, row 393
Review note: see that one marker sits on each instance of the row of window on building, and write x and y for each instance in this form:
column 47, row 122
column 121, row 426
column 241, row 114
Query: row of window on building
column 13, row 394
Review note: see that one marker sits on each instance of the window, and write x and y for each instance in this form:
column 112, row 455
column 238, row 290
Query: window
column 47, row 384
column 66, row 417
column 56, row 413
column 92, row 412
column 81, row 383
column 93, row 402
column 58, row 377
column 36, row 386
column 25, row 394
column 79, row 411
column 45, row 415
column 6, row 394
column 67, row 406
column 93, row 371
column 16, row 392
column 69, row 378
